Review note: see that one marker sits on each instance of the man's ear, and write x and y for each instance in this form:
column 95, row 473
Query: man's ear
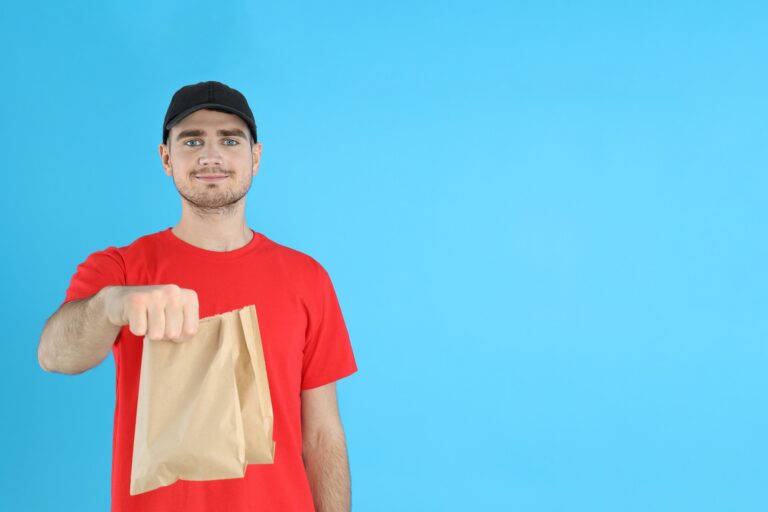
column 256, row 153
column 165, row 159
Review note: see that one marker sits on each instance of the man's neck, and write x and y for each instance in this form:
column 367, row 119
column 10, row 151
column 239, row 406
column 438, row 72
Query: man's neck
column 214, row 234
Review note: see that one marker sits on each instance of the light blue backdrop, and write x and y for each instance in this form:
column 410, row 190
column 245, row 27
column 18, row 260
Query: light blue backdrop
column 545, row 222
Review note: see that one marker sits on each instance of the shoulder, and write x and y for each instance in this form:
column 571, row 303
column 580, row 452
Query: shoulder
column 144, row 242
column 305, row 272
column 118, row 255
column 142, row 248
column 295, row 261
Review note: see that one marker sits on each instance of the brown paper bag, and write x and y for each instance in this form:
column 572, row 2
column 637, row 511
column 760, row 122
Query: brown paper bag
column 204, row 409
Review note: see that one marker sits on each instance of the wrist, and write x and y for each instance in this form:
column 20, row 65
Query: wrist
column 99, row 306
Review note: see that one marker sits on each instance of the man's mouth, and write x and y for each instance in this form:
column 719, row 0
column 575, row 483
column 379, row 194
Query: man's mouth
column 211, row 178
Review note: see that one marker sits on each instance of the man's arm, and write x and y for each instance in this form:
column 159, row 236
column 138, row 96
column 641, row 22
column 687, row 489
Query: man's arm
column 324, row 449
column 80, row 334
column 77, row 337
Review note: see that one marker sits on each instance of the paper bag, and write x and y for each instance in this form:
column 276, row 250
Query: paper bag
column 204, row 409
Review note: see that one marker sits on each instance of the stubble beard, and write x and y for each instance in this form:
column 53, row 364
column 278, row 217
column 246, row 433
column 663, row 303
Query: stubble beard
column 212, row 200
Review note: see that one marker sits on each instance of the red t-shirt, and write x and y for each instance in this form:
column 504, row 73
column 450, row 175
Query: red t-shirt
column 305, row 343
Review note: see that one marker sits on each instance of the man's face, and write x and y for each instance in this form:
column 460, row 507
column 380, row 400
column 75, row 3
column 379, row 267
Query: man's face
column 211, row 159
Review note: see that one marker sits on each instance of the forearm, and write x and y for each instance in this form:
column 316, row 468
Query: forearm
column 327, row 465
column 78, row 336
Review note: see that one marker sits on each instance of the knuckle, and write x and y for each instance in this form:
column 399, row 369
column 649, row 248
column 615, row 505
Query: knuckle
column 172, row 289
column 173, row 295
column 135, row 300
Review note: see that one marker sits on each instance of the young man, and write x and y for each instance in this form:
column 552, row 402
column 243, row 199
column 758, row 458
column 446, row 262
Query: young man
column 211, row 262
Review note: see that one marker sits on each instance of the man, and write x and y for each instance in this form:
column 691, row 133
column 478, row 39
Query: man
column 209, row 263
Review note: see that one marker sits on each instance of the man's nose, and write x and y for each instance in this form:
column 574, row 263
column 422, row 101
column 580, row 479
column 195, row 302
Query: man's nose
column 210, row 155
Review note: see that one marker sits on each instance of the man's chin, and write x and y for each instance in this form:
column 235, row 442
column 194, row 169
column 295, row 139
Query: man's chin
column 211, row 204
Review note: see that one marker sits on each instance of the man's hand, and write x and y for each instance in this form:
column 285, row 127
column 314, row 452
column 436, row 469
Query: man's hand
column 164, row 311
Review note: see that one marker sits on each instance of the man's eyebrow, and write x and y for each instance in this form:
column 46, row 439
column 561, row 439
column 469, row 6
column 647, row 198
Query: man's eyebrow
column 236, row 132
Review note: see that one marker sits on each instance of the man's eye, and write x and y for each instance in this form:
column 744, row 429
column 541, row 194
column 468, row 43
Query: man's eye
column 233, row 140
column 187, row 143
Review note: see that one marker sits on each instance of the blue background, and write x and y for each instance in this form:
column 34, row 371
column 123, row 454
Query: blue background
column 545, row 223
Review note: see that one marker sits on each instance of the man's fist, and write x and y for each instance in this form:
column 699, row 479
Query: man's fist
column 158, row 311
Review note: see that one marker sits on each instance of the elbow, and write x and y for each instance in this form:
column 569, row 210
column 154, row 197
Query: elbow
column 46, row 355
column 50, row 366
column 323, row 438
column 43, row 365
column 43, row 352
column 64, row 371
column 42, row 359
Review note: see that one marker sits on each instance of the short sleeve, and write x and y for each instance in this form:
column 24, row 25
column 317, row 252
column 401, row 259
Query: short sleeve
column 100, row 269
column 328, row 354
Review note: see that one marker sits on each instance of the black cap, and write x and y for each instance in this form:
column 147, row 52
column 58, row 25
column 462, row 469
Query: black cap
column 211, row 95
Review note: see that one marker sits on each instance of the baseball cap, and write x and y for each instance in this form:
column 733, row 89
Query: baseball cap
column 211, row 95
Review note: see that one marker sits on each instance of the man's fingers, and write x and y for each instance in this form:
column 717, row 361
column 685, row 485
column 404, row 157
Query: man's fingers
column 160, row 311
column 191, row 315
column 173, row 320
column 156, row 321
column 137, row 320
